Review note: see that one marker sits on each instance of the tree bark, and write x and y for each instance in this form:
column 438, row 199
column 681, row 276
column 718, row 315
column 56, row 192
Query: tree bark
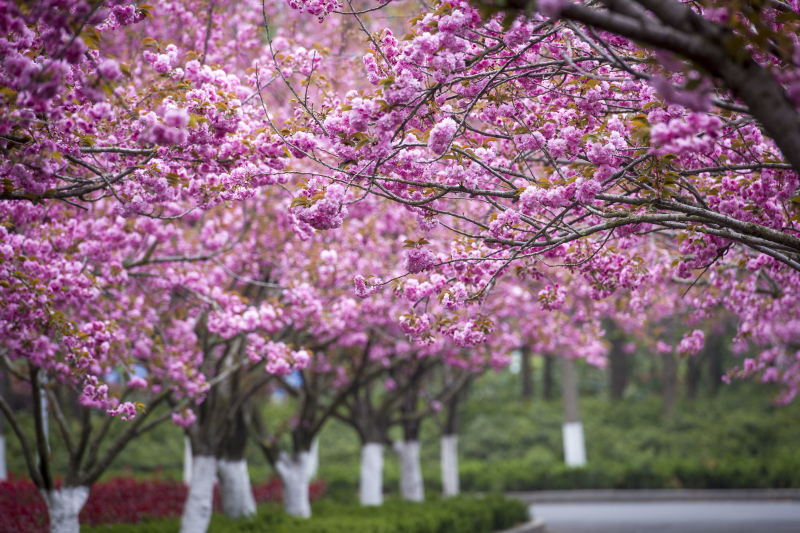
column 618, row 365
column 547, row 385
column 234, row 478
column 569, row 390
column 715, row 369
column 679, row 29
column 371, row 481
column 411, row 484
column 572, row 430
column 618, row 374
column 3, row 393
column 670, row 383
column 40, row 426
column 200, row 501
column 451, row 483
column 3, row 465
column 64, row 506
column 693, row 375
column 527, row 374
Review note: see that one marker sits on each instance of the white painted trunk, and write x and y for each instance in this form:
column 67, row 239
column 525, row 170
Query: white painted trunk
column 200, row 501
column 411, row 485
column 451, row 485
column 3, row 469
column 371, row 485
column 64, row 505
column 187, row 461
column 235, row 488
column 313, row 460
column 574, row 446
column 45, row 418
column 293, row 471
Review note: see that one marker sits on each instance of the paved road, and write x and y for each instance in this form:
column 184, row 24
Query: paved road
column 671, row 517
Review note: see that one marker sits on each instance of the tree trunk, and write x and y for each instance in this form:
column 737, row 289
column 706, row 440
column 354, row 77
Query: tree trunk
column 707, row 46
column 572, row 430
column 715, row 371
column 313, row 459
column 4, row 388
column 411, row 484
column 449, row 458
column 237, row 493
column 371, row 483
column 618, row 368
column 670, row 383
column 407, row 449
column 200, row 501
column 3, row 467
column 451, row 485
column 693, row 375
column 548, row 378
column 187, row 461
column 527, row 374
column 234, row 479
column 294, row 472
column 64, row 505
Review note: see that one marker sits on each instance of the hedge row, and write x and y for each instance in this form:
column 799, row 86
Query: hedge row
column 780, row 471
column 117, row 500
column 454, row 515
column 690, row 473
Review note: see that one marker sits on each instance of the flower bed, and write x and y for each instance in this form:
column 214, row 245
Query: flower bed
column 118, row 500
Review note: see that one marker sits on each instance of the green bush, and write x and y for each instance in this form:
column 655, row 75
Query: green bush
column 454, row 515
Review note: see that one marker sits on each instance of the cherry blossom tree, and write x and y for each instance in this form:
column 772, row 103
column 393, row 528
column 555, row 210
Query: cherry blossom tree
column 370, row 410
column 586, row 136
column 501, row 174
column 323, row 387
column 72, row 316
column 424, row 398
column 353, row 343
column 114, row 146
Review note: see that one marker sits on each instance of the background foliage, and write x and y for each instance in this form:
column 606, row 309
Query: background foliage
column 734, row 438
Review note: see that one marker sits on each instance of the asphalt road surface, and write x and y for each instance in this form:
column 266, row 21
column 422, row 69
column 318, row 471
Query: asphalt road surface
column 671, row 517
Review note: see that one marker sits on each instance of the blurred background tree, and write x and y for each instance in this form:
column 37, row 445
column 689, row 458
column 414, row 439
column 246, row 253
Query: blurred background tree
column 713, row 436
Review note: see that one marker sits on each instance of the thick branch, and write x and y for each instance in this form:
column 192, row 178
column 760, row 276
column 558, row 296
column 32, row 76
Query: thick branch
column 705, row 45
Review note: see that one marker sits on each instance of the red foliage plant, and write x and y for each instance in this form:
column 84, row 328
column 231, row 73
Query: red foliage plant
column 118, row 500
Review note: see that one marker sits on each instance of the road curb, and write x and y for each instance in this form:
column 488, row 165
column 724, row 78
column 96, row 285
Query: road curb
column 534, row 526
column 654, row 495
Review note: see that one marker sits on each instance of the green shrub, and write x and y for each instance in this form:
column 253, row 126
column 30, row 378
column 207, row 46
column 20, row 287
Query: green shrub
column 453, row 515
